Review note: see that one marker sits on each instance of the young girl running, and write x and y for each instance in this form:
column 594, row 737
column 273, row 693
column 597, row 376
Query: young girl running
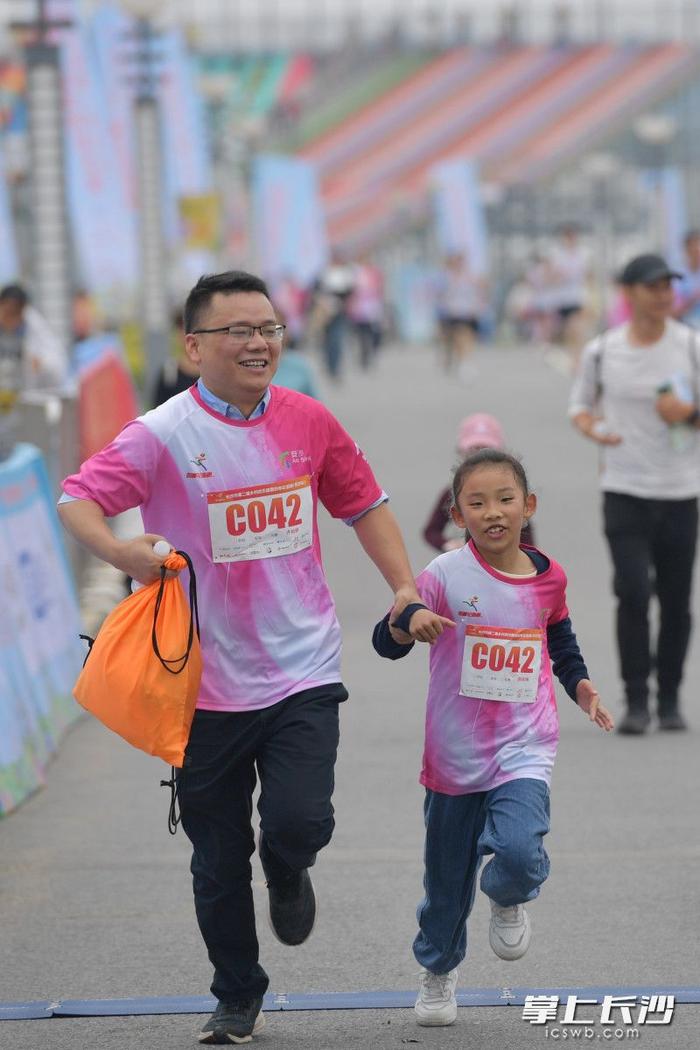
column 491, row 722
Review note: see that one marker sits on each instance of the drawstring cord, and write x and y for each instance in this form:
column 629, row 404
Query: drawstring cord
column 174, row 814
column 194, row 619
column 91, row 641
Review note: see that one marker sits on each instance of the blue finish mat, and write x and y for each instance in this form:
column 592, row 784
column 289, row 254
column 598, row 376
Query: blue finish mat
column 374, row 1000
column 26, row 1011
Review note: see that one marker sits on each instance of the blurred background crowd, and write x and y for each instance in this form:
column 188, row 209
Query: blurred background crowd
column 396, row 171
column 399, row 171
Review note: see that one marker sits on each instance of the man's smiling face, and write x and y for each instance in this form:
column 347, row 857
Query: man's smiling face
column 238, row 373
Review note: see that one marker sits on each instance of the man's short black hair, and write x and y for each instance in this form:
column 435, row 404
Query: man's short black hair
column 230, row 282
column 14, row 293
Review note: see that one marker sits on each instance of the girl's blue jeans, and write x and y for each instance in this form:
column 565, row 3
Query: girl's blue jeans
column 509, row 822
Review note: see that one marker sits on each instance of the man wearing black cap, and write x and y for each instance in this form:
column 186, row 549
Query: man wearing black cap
column 636, row 395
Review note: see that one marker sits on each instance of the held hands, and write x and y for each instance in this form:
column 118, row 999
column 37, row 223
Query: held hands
column 137, row 558
column 424, row 626
column 588, row 699
column 405, row 595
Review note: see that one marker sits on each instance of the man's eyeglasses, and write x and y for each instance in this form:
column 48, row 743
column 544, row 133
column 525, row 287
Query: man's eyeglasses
column 243, row 333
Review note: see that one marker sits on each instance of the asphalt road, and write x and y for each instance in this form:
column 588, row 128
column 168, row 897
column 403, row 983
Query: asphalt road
column 95, row 897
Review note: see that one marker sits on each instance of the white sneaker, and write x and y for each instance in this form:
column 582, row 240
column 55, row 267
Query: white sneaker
column 509, row 932
column 436, row 1003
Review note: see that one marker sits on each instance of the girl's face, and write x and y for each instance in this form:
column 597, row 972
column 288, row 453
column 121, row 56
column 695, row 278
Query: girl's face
column 493, row 507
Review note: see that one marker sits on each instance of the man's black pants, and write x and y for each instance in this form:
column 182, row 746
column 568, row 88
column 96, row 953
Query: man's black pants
column 652, row 543
column 292, row 746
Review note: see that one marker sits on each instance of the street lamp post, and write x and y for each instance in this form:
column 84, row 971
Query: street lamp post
column 601, row 169
column 155, row 312
column 50, row 239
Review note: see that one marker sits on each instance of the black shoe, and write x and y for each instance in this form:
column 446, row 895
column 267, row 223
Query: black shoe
column 672, row 720
column 234, row 1022
column 634, row 723
column 292, row 907
column 291, row 897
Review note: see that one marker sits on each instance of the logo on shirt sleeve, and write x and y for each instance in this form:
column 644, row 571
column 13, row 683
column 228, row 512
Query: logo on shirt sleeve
column 199, row 461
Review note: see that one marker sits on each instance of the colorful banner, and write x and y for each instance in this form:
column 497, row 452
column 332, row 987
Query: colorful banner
column 40, row 650
column 460, row 223
column 111, row 29
column 101, row 210
column 106, row 396
column 8, row 254
column 413, row 294
column 13, row 106
column 289, row 234
column 201, row 221
column 100, row 74
column 186, row 157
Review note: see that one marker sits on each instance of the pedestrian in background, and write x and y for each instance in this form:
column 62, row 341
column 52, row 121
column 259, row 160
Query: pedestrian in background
column 460, row 294
column 366, row 310
column 179, row 372
column 480, row 430
column 294, row 369
column 329, row 312
column 636, row 395
column 27, row 340
column 687, row 306
column 569, row 268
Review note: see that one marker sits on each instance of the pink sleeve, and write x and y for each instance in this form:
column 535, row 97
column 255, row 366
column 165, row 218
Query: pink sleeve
column 559, row 607
column 121, row 474
column 347, row 486
column 432, row 590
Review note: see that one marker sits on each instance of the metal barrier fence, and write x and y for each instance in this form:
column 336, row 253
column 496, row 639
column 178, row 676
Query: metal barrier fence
column 50, row 422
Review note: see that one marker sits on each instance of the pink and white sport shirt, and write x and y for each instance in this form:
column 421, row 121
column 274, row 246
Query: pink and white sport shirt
column 241, row 498
column 498, row 649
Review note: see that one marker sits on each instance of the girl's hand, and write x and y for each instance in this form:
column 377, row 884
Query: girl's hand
column 588, row 699
column 427, row 626
column 399, row 636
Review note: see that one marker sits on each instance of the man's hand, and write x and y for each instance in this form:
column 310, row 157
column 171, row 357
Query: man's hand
column 672, row 409
column 588, row 700
column 137, row 559
column 405, row 595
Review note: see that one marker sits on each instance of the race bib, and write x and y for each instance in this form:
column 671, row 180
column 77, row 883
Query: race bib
column 501, row 663
column 261, row 521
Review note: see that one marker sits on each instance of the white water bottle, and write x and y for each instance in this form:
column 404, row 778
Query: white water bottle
column 162, row 548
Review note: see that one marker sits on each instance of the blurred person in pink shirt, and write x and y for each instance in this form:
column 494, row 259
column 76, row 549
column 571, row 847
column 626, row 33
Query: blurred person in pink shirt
column 477, row 431
column 366, row 309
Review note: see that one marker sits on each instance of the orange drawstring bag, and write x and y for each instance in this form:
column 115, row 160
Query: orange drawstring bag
column 141, row 675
